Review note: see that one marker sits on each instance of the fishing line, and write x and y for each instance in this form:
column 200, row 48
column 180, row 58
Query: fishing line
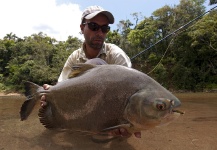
column 161, row 58
column 171, row 41
column 172, row 33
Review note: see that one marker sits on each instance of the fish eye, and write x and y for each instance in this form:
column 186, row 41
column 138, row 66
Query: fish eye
column 161, row 106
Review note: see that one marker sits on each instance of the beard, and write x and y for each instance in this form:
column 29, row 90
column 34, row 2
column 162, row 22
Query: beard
column 96, row 42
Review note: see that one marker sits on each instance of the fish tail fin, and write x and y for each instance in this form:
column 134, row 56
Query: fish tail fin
column 32, row 97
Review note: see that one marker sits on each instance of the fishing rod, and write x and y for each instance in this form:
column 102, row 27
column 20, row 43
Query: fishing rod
column 172, row 33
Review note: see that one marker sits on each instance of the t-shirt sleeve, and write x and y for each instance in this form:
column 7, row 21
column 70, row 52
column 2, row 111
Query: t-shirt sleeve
column 67, row 67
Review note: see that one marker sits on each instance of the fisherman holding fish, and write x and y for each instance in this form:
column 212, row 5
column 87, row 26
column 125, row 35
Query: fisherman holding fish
column 104, row 101
column 95, row 26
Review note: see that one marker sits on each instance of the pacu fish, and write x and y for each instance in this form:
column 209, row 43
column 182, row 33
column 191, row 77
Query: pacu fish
column 99, row 98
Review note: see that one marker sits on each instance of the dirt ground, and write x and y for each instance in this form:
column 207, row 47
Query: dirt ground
column 195, row 130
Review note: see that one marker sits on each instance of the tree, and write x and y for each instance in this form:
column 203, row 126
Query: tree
column 37, row 58
column 114, row 37
column 211, row 2
column 203, row 39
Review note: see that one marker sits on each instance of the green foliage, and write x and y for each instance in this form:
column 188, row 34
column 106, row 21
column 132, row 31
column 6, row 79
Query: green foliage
column 211, row 2
column 37, row 58
column 114, row 37
column 161, row 74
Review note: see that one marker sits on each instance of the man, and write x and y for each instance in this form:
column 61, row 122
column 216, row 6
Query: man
column 95, row 26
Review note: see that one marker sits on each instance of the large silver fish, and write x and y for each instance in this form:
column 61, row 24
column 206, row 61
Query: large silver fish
column 97, row 99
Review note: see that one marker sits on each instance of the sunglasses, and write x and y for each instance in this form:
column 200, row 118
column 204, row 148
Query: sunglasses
column 95, row 27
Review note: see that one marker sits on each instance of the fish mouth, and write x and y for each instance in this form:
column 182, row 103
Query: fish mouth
column 176, row 103
column 178, row 111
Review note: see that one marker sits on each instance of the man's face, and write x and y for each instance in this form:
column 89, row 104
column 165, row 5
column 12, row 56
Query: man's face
column 95, row 39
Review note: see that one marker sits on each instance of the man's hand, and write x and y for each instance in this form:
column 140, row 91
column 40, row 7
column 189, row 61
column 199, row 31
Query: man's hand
column 43, row 99
column 120, row 132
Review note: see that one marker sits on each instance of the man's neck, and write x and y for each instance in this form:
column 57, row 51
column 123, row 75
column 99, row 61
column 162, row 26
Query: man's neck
column 90, row 52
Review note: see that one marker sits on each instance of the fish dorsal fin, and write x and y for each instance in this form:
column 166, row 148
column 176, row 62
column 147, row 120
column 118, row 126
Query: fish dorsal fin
column 80, row 68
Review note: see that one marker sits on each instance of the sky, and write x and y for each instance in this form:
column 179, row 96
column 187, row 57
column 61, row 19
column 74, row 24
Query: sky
column 61, row 18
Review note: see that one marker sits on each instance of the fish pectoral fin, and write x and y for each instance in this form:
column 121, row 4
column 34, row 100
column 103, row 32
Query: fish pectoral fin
column 98, row 138
column 129, row 130
column 80, row 68
column 126, row 126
